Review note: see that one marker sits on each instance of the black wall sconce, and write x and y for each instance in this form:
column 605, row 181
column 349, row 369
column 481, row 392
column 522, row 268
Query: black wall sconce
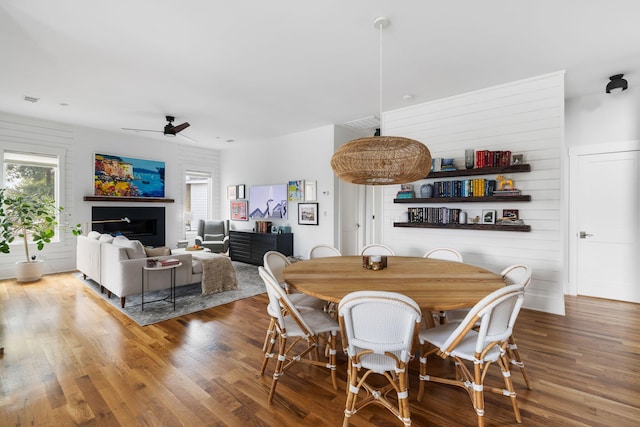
column 617, row 83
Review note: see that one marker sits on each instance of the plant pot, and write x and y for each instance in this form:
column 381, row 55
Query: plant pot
column 29, row 271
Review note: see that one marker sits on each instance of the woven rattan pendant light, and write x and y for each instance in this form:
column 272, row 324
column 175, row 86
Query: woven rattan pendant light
column 381, row 160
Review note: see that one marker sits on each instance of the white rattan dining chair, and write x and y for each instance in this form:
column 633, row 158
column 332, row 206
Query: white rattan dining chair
column 480, row 345
column 297, row 334
column 322, row 251
column 379, row 330
column 275, row 262
column 446, row 254
column 513, row 274
column 377, row 249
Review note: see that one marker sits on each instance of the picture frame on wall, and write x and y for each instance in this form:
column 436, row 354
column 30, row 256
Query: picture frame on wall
column 308, row 213
column 120, row 176
column 231, row 192
column 488, row 216
column 310, row 191
column 510, row 214
column 295, row 191
column 239, row 210
column 240, row 192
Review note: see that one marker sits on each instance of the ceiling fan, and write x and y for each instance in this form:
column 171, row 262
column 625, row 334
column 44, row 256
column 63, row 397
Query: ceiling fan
column 169, row 128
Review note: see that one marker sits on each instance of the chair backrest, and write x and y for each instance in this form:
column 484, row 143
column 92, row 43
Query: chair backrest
column 517, row 273
column 322, row 251
column 496, row 314
column 274, row 262
column 446, row 254
column 213, row 230
column 377, row 249
column 379, row 321
column 279, row 301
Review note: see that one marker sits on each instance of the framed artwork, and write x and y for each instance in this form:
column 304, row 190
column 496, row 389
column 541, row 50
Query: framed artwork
column 231, row 192
column 510, row 214
column 488, row 217
column 295, row 191
column 308, row 213
column 240, row 192
column 239, row 210
column 517, row 159
column 310, row 191
column 119, row 176
column 268, row 201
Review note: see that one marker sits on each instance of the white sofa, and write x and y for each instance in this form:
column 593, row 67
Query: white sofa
column 116, row 265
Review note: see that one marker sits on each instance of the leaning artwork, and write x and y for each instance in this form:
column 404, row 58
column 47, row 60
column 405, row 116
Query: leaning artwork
column 119, row 176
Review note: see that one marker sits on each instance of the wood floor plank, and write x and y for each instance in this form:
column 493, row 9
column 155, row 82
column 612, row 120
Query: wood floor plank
column 70, row 358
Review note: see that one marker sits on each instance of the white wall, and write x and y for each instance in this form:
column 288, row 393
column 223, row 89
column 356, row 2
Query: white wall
column 80, row 144
column 524, row 117
column 304, row 155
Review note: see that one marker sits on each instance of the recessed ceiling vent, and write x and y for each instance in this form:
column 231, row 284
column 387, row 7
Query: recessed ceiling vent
column 370, row 122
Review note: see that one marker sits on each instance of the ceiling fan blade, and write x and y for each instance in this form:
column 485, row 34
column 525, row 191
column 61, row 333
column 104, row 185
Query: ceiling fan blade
column 181, row 127
column 141, row 130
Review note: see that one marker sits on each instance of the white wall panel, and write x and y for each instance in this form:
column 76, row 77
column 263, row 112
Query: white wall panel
column 523, row 117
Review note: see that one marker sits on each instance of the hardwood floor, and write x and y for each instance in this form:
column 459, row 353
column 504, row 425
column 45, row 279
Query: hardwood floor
column 71, row 359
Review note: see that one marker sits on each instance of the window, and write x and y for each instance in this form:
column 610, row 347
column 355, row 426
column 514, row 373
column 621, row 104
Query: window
column 197, row 204
column 33, row 174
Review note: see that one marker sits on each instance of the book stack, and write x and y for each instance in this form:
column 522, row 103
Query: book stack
column 169, row 262
column 405, row 194
column 510, row 192
column 432, row 215
column 487, row 158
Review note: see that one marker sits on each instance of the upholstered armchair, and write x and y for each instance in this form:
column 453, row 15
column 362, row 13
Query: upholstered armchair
column 213, row 234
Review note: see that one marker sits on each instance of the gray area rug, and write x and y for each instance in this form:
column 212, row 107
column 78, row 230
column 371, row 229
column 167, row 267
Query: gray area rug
column 188, row 298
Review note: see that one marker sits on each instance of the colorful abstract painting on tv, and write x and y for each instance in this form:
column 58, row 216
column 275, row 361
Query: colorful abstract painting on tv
column 118, row 176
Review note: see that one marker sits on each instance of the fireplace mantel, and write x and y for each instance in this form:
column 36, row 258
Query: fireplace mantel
column 127, row 199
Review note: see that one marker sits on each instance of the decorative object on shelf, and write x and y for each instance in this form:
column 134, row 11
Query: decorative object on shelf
column 308, row 213
column 239, row 210
column 616, row 84
column 463, row 217
column 295, row 191
column 469, row 156
column 447, row 165
column 118, row 176
column 381, row 160
column 517, row 159
column 504, row 183
column 406, row 192
column 231, row 192
column 426, row 191
column 488, row 217
column 510, row 214
column 275, row 229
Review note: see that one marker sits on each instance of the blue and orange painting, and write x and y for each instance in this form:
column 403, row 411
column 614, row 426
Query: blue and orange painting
column 119, row 176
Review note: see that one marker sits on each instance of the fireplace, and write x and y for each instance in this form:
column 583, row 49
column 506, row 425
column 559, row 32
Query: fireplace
column 147, row 224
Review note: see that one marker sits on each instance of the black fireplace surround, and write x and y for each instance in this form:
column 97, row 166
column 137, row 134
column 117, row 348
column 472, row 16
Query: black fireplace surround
column 147, row 223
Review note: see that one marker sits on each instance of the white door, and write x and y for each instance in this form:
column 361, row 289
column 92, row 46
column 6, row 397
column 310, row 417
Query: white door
column 352, row 201
column 607, row 236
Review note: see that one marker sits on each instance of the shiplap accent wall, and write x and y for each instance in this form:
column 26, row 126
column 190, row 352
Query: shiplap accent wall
column 524, row 117
column 25, row 134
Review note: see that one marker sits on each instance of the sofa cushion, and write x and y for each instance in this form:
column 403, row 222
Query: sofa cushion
column 93, row 235
column 161, row 251
column 134, row 248
column 213, row 237
column 105, row 238
column 120, row 241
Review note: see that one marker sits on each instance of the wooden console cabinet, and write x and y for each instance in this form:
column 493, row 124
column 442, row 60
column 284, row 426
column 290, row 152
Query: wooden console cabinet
column 250, row 247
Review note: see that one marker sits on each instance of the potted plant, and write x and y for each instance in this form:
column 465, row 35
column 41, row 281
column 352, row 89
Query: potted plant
column 32, row 219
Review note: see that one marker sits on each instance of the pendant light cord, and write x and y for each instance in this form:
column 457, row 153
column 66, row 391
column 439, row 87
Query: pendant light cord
column 380, row 72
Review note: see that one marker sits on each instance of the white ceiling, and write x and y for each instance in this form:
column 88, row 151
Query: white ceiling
column 254, row 70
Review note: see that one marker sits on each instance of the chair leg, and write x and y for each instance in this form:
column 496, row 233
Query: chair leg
column 403, row 398
column 268, row 350
column 512, row 349
column 352, row 394
column 332, row 359
column 478, row 392
column 282, row 348
column 270, row 332
column 510, row 391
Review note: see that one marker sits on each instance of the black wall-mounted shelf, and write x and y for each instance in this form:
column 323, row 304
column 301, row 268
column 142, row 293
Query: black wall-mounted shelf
column 492, row 199
column 480, row 171
column 492, row 227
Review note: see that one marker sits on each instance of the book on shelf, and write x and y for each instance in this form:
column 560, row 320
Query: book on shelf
column 511, row 192
column 169, row 262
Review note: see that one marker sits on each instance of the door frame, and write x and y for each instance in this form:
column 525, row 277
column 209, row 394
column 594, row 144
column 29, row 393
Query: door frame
column 574, row 153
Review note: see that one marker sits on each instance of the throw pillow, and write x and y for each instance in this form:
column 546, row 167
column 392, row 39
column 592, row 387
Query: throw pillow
column 213, row 237
column 135, row 249
column 120, row 241
column 105, row 238
column 153, row 252
column 93, row 235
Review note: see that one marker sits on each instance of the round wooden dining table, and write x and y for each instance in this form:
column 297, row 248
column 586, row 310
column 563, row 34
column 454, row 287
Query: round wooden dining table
column 433, row 284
